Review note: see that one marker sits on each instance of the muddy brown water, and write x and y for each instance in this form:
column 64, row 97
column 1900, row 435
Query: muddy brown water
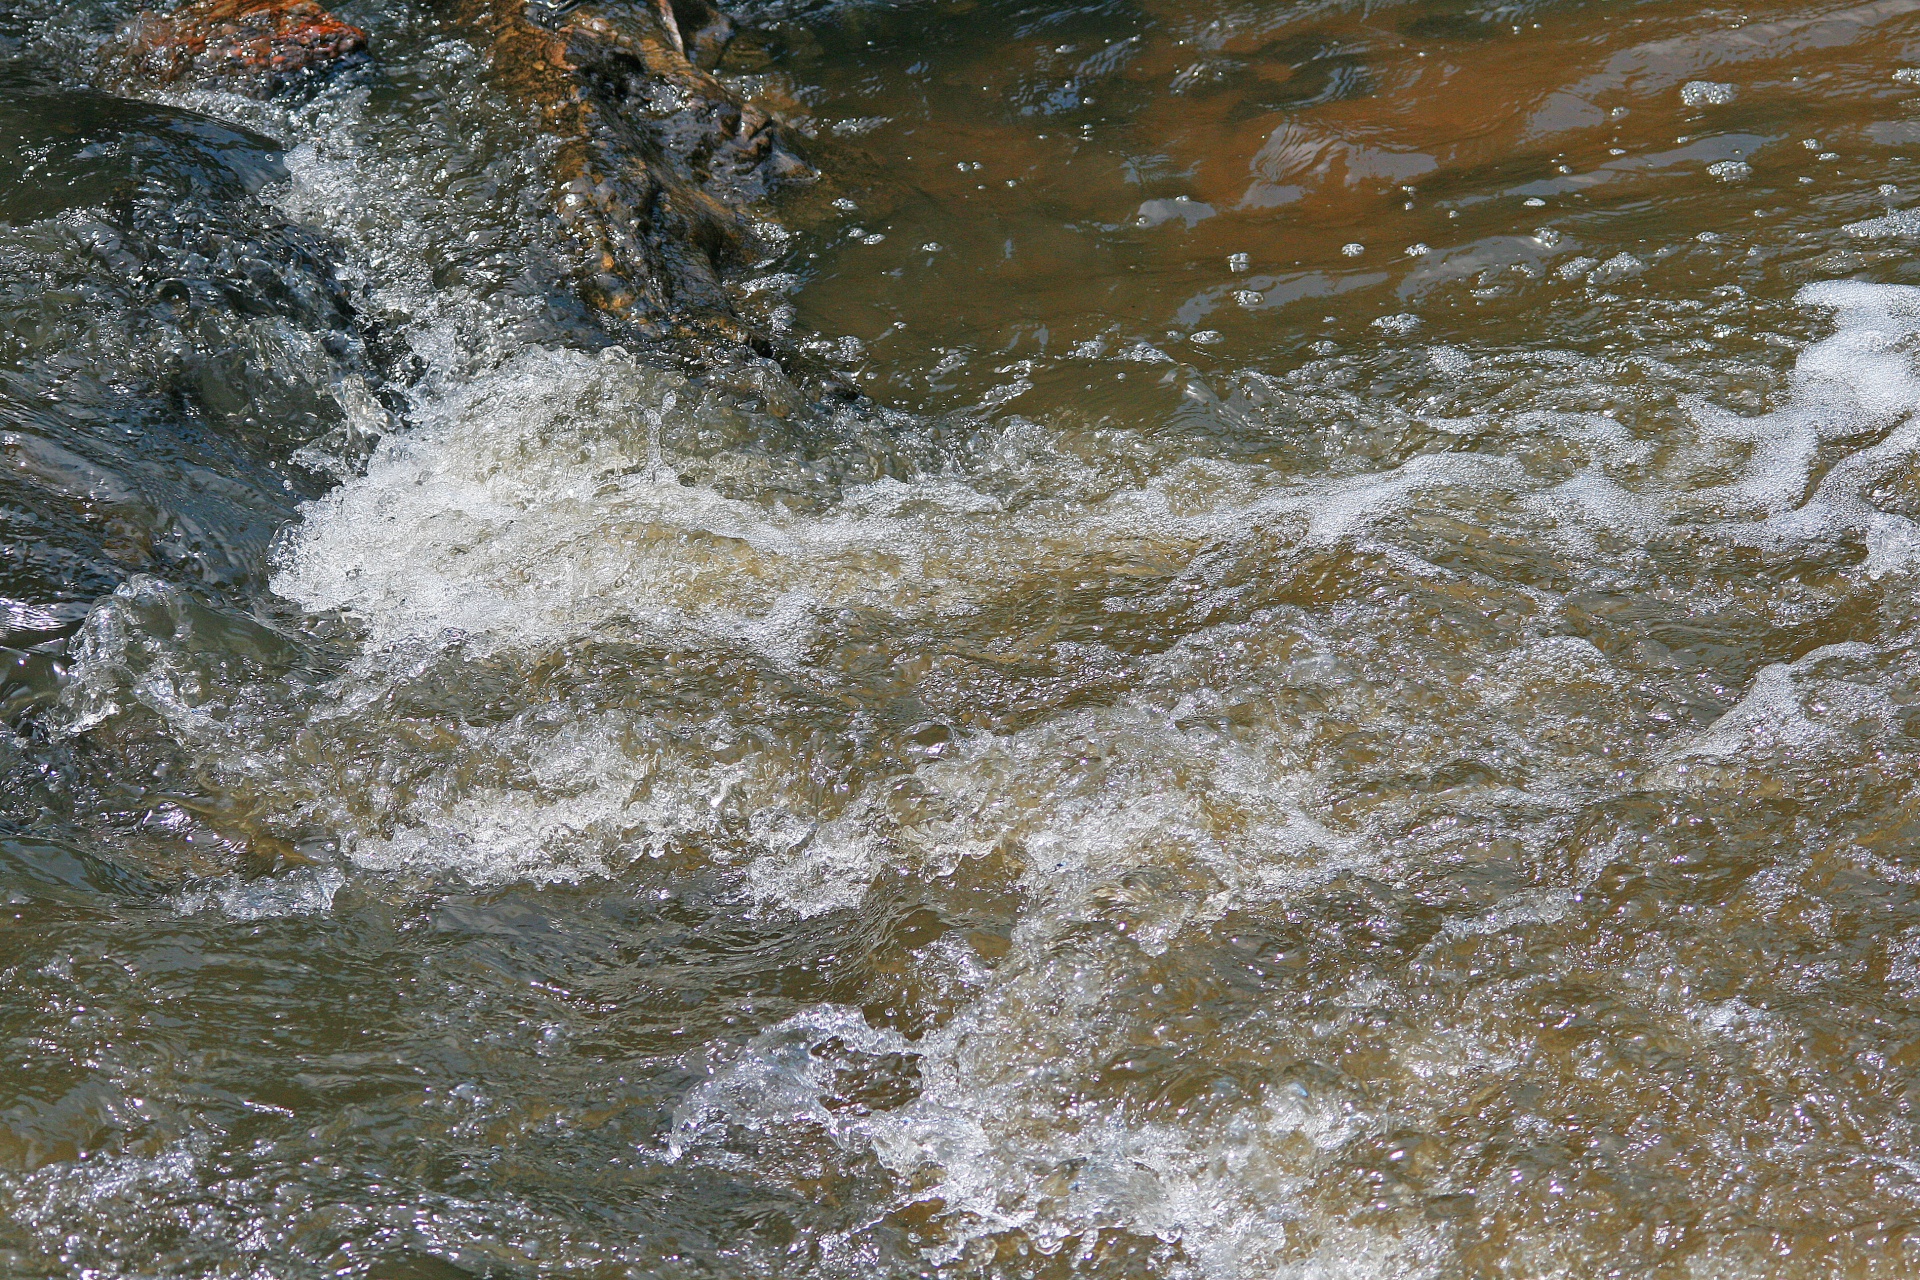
column 1345, row 709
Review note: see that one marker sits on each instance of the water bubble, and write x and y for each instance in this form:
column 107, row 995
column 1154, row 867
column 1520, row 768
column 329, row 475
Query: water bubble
column 1353, row 250
column 1618, row 267
column 1707, row 93
column 657, row 469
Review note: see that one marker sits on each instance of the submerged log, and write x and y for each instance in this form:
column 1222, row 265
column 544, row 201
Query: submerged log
column 256, row 47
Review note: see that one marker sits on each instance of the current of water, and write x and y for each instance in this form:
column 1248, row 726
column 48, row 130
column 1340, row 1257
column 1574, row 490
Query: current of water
column 1347, row 706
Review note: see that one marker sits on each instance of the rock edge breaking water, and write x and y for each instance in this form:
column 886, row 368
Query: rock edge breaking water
column 662, row 173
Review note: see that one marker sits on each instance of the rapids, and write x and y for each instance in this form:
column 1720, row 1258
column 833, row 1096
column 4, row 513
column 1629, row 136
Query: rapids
column 1346, row 704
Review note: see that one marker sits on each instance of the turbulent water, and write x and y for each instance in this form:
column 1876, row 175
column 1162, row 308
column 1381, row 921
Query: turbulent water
column 1348, row 705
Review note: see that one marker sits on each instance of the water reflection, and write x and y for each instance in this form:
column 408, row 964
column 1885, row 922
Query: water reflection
column 1133, row 155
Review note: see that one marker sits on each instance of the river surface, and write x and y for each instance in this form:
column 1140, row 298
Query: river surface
column 1347, row 706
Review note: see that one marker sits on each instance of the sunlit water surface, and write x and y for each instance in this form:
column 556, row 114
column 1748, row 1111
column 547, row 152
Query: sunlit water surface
column 1346, row 709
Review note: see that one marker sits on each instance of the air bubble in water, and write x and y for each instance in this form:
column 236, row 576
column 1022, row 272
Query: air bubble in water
column 1707, row 93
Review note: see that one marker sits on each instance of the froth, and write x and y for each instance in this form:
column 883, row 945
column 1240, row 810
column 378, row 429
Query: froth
column 530, row 506
column 1852, row 386
column 997, row 1140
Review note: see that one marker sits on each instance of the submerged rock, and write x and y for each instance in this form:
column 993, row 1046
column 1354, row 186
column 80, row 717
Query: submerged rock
column 661, row 165
column 256, row 47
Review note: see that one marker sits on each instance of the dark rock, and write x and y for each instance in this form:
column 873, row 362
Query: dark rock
column 661, row 167
column 663, row 174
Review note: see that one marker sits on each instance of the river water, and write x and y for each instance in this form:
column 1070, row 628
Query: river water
column 1348, row 705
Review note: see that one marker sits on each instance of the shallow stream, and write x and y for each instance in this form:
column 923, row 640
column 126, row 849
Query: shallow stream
column 1347, row 706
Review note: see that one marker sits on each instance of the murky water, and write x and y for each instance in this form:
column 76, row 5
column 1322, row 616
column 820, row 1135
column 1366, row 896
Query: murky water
column 1345, row 709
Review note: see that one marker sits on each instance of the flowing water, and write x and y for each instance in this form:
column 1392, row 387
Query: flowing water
column 1347, row 706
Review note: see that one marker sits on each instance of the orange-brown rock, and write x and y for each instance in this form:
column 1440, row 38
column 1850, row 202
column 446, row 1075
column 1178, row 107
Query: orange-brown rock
column 251, row 46
column 661, row 165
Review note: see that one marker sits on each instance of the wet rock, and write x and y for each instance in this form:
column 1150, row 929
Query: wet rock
column 256, row 47
column 663, row 170
column 663, row 173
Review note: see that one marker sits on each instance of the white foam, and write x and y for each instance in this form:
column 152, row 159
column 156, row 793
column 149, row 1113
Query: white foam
column 1900, row 222
column 1533, row 906
column 1772, row 717
column 1852, row 384
column 996, row 1142
column 551, row 497
column 1705, row 93
column 540, row 503
column 308, row 891
column 1550, row 660
column 1620, row 266
column 525, row 508
column 1590, row 502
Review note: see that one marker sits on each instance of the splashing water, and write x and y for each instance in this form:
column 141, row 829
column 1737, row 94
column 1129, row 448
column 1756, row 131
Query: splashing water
column 1239, row 758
